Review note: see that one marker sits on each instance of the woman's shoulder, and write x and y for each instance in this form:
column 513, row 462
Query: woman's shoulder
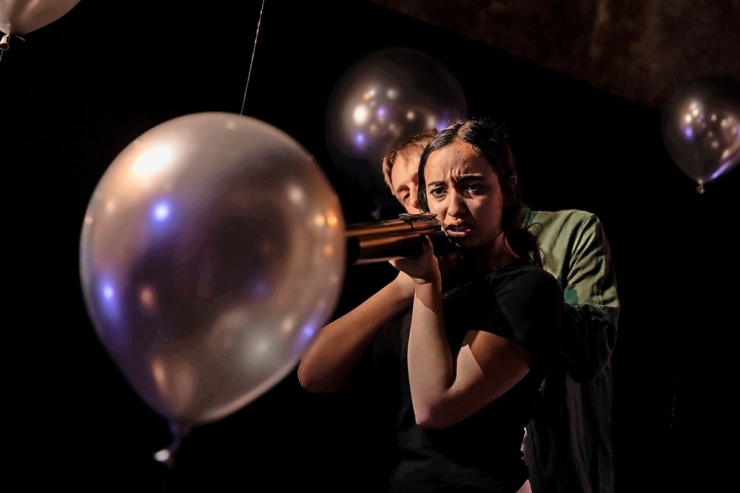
column 530, row 302
column 520, row 277
column 516, row 278
column 524, row 272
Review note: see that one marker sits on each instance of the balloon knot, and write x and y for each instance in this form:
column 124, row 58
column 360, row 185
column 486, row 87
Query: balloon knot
column 167, row 455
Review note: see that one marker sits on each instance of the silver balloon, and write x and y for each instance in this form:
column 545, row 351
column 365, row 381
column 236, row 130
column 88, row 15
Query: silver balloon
column 701, row 128
column 212, row 251
column 23, row 16
column 380, row 101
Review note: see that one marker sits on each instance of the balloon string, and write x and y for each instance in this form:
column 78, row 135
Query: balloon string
column 251, row 62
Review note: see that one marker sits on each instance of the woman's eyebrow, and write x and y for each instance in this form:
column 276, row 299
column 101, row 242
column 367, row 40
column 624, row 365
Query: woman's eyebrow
column 468, row 178
column 437, row 183
column 462, row 179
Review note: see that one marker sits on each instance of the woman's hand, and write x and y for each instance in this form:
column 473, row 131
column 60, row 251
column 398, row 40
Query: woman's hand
column 447, row 263
column 423, row 269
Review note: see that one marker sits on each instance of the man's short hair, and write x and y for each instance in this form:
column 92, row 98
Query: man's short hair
column 418, row 141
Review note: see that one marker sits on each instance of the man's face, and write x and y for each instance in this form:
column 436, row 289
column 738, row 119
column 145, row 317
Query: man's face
column 405, row 180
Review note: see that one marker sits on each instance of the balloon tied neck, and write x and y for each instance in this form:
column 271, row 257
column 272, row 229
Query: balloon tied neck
column 5, row 41
column 700, row 188
column 167, row 454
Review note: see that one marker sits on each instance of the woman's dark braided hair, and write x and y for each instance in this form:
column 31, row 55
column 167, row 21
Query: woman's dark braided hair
column 492, row 141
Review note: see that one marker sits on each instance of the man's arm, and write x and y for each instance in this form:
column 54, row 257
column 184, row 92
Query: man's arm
column 329, row 362
column 590, row 291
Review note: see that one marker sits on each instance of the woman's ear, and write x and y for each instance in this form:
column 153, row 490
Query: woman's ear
column 509, row 188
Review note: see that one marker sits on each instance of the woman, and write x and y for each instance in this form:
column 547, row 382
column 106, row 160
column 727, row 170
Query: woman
column 464, row 364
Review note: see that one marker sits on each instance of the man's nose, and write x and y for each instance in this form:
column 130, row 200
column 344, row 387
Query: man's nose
column 414, row 202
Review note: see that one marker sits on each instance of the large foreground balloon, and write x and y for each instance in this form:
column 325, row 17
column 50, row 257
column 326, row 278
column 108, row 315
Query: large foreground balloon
column 381, row 100
column 212, row 251
column 701, row 127
column 23, row 16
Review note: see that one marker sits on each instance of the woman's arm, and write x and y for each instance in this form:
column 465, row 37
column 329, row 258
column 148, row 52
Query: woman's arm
column 448, row 384
column 330, row 360
column 446, row 388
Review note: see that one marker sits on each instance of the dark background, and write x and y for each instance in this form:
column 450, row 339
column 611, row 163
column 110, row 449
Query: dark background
column 75, row 93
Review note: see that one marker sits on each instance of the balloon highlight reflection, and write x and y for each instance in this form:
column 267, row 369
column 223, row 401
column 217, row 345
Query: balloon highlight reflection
column 211, row 252
column 701, row 128
column 379, row 102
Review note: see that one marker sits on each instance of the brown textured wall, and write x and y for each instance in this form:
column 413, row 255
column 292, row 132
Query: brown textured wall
column 637, row 49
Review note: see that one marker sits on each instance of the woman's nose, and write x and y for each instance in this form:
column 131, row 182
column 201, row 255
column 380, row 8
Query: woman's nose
column 455, row 204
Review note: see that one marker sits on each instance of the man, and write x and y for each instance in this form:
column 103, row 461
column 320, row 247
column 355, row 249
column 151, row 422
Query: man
column 568, row 446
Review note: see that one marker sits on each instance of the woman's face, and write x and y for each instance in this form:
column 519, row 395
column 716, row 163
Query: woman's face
column 465, row 193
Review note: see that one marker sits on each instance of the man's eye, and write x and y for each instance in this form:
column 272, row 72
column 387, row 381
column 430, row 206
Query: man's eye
column 436, row 192
column 474, row 187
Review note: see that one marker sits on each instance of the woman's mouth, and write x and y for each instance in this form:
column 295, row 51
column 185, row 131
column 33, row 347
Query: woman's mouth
column 457, row 230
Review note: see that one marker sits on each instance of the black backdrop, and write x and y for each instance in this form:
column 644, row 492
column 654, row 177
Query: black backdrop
column 73, row 94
